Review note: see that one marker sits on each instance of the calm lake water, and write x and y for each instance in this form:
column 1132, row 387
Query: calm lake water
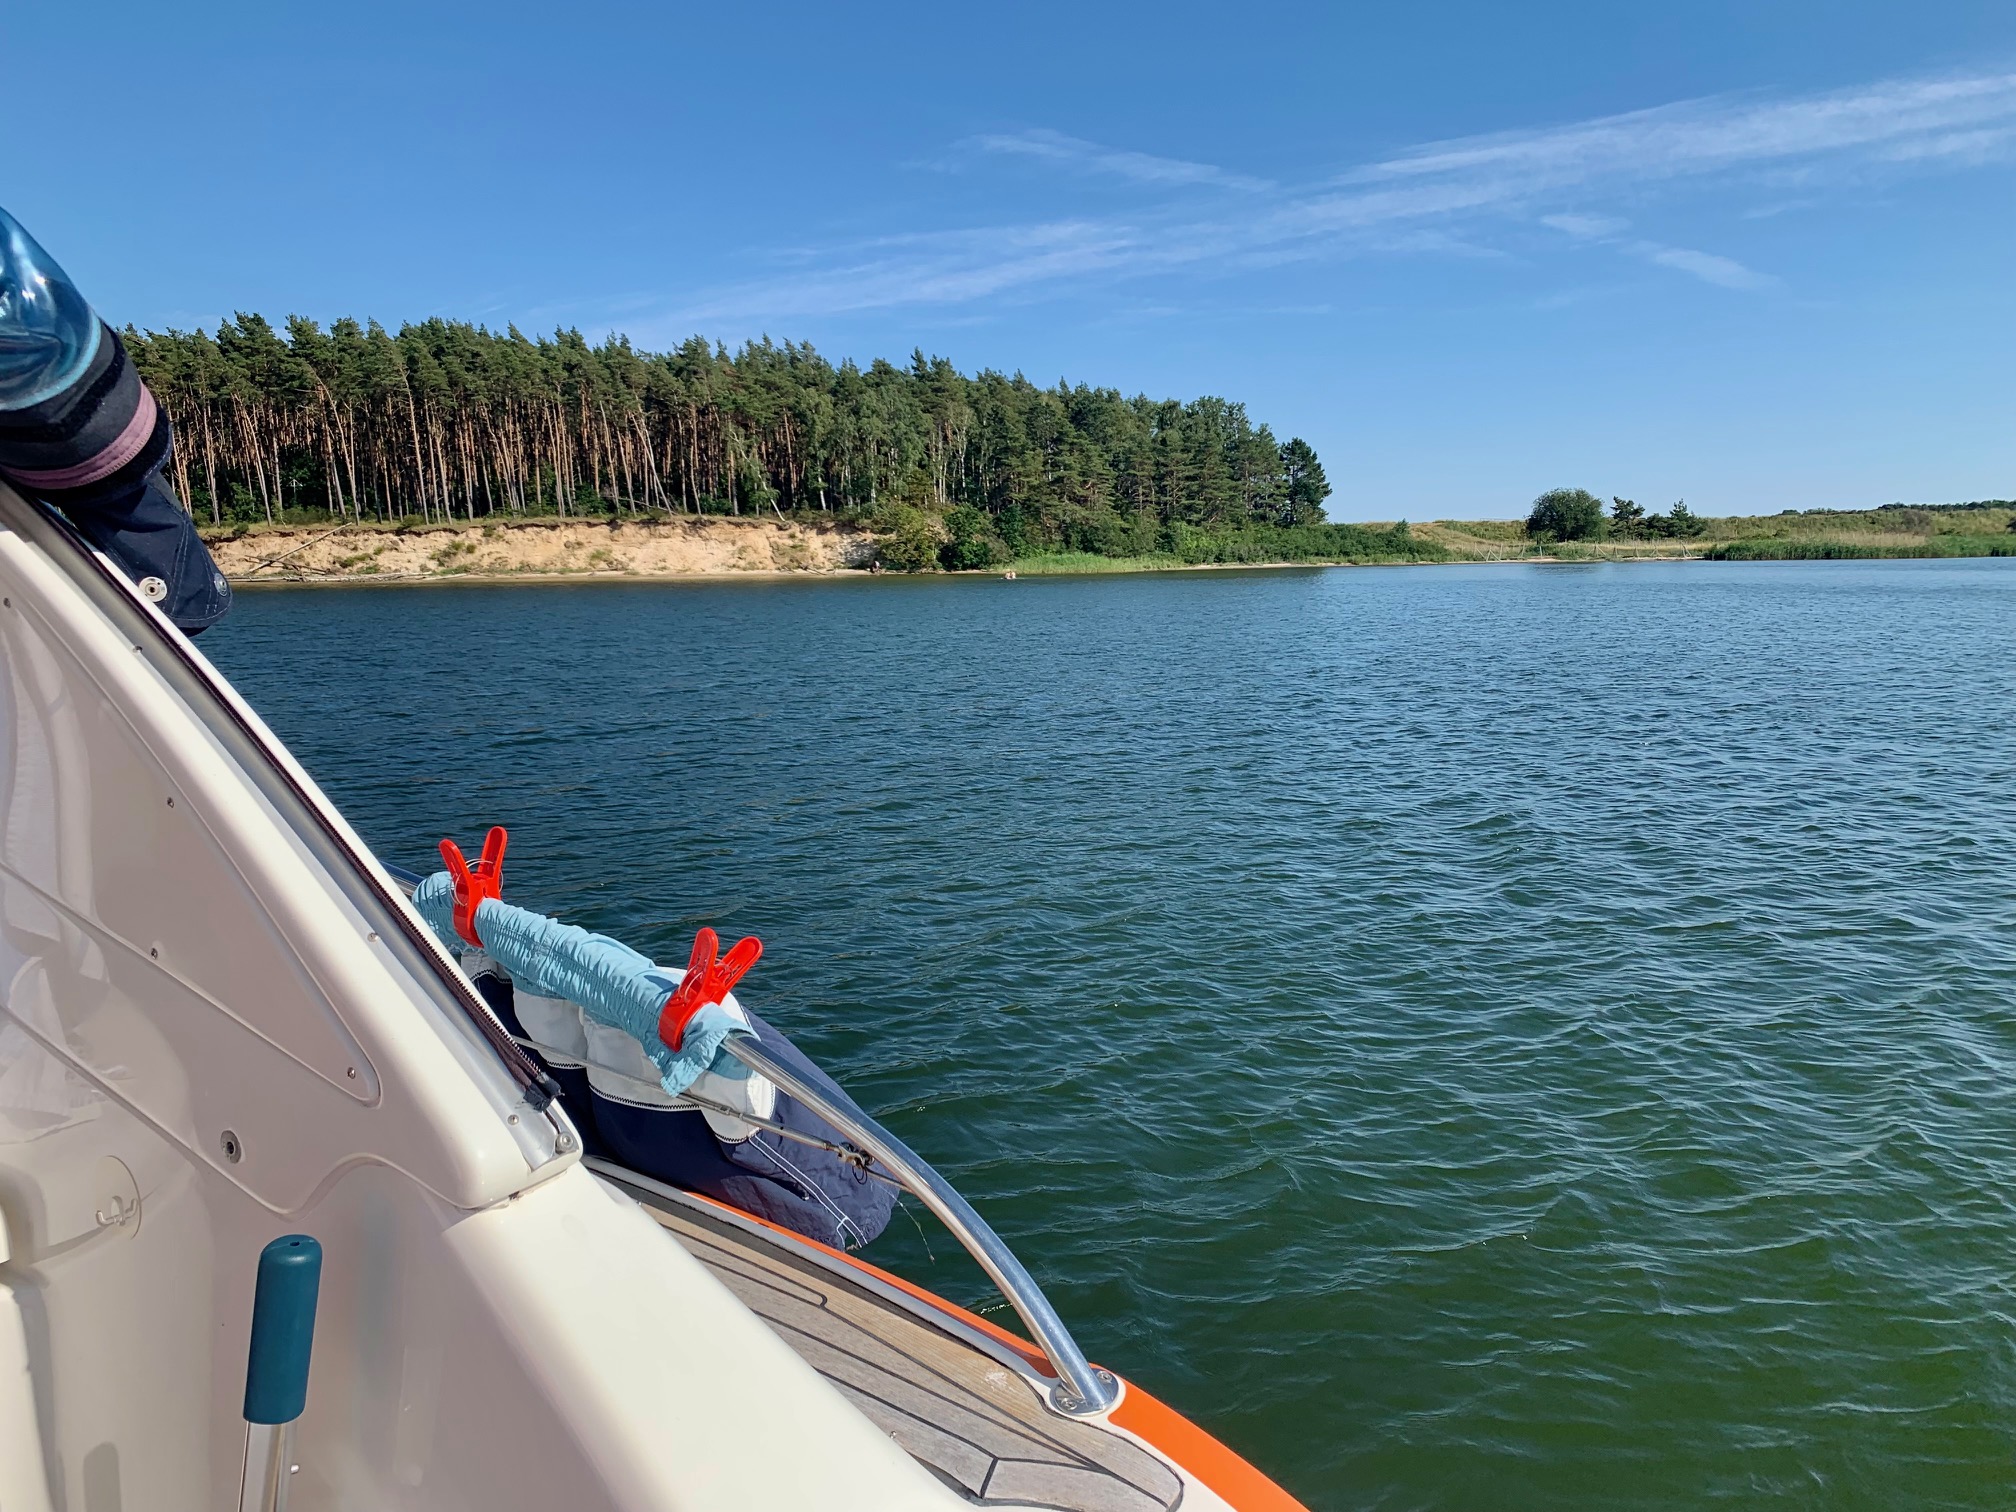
column 1478, row 1038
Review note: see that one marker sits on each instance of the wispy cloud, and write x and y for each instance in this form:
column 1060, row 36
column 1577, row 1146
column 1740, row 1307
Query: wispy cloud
column 1778, row 207
column 943, row 268
column 1585, row 227
column 1709, row 267
column 1468, row 196
column 1116, row 162
column 1977, row 146
column 1724, row 272
column 1707, row 136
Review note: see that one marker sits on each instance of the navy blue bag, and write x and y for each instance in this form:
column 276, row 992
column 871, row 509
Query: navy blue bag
column 801, row 1187
column 797, row 1186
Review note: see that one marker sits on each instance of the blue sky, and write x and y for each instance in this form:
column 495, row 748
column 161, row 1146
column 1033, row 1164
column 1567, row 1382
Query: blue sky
column 1756, row 256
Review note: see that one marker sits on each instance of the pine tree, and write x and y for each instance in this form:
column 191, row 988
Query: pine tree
column 1305, row 486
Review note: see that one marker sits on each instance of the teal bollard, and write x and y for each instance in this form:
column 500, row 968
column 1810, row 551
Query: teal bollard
column 276, row 1367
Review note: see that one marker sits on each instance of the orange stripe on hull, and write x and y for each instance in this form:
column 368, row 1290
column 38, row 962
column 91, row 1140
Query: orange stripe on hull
column 1147, row 1418
column 1241, row 1485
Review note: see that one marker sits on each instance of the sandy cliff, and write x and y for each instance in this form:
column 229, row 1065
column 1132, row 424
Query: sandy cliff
column 668, row 548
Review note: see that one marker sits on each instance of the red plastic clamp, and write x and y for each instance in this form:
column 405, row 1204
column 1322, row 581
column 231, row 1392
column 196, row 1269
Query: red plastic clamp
column 475, row 883
column 707, row 980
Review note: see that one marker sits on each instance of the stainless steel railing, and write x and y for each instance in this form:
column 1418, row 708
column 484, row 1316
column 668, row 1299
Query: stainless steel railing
column 1081, row 1388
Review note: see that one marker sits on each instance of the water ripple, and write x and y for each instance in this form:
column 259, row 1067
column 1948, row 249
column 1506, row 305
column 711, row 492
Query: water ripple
column 1478, row 1038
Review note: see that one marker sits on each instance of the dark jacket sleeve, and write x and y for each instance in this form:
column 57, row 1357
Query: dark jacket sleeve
column 95, row 451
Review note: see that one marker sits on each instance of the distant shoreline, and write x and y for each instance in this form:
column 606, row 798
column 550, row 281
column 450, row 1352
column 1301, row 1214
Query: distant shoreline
column 1034, row 571
column 750, row 548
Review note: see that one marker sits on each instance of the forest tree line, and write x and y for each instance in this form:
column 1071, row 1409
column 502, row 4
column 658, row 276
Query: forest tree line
column 450, row 421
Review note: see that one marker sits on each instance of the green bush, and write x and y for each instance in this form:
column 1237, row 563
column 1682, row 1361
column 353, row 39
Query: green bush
column 971, row 543
column 910, row 539
column 1567, row 514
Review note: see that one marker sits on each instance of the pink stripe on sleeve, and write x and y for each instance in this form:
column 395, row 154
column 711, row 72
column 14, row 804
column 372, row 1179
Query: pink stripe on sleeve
column 122, row 449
